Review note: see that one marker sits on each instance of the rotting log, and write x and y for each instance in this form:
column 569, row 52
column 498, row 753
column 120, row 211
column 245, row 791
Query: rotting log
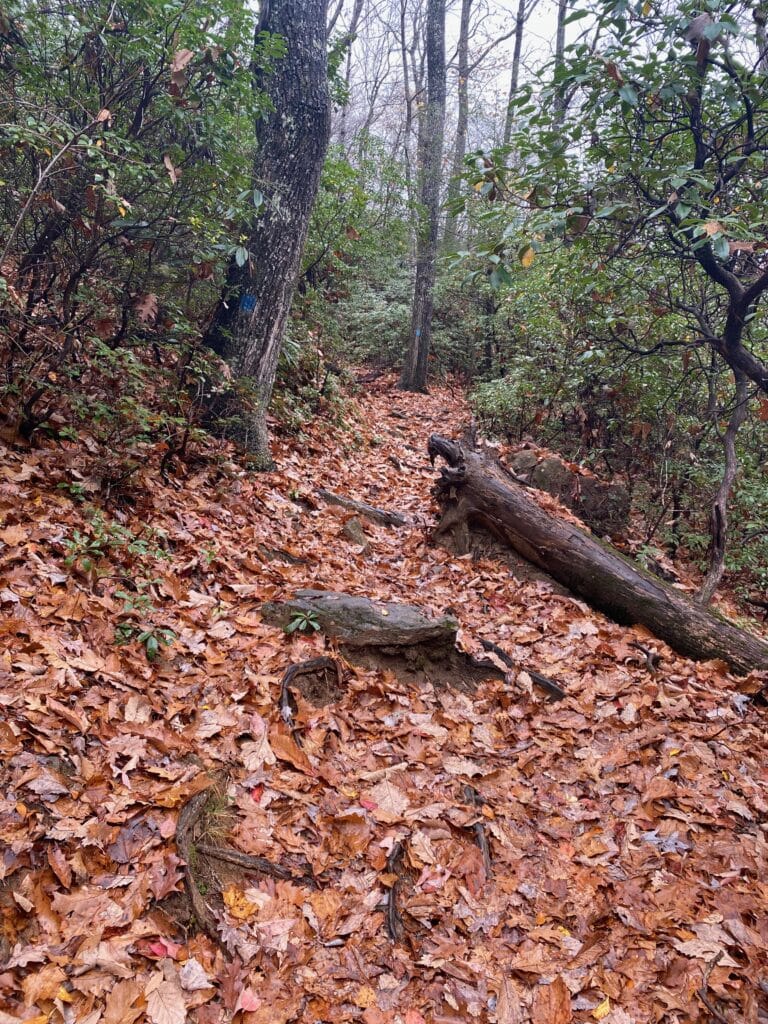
column 475, row 489
column 386, row 635
column 361, row 622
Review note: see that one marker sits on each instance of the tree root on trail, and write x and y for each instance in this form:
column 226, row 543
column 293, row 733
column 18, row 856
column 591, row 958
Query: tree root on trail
column 554, row 691
column 473, row 798
column 191, row 848
column 191, row 814
column 394, row 920
column 378, row 515
column 476, row 489
column 329, row 683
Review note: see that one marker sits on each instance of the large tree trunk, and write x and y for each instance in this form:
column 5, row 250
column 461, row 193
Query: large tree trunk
column 476, row 489
column 414, row 376
column 249, row 323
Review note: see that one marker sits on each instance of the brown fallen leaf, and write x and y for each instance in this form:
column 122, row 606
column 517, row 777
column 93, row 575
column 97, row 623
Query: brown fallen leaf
column 125, row 1002
column 552, row 1003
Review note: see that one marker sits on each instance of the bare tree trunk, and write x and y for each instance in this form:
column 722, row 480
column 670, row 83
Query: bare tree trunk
column 462, row 123
column 514, row 79
column 718, row 520
column 354, row 21
column 247, row 328
column 414, row 375
column 760, row 14
column 408, row 102
column 560, row 100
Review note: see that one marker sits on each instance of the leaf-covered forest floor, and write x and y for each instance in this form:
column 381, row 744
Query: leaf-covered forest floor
column 626, row 825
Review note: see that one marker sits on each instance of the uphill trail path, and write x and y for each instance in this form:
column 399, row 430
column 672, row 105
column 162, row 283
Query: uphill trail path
column 485, row 857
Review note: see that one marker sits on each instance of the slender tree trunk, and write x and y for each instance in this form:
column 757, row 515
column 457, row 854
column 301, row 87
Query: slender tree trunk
column 760, row 14
column 462, row 123
column 354, row 21
column 414, row 375
column 562, row 11
column 408, row 102
column 248, row 326
column 718, row 520
column 514, row 78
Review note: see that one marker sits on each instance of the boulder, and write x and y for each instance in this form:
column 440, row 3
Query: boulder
column 604, row 507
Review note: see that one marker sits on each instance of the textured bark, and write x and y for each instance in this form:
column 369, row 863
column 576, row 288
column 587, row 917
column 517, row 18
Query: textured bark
column 475, row 489
column 414, row 376
column 760, row 14
column 462, row 122
column 378, row 515
column 249, row 323
column 361, row 622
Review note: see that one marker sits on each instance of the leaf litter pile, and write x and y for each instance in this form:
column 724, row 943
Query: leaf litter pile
column 362, row 846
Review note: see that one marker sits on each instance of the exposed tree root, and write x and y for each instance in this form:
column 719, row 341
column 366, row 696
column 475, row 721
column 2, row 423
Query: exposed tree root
column 378, row 515
column 190, row 816
column 473, row 797
column 395, row 926
column 554, row 691
column 191, row 848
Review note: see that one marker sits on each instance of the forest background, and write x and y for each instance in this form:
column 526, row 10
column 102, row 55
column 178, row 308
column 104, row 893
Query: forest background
column 598, row 237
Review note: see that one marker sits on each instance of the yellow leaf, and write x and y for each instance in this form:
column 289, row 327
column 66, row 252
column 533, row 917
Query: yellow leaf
column 602, row 1010
column 365, row 997
column 64, row 995
column 527, row 256
column 647, row 8
column 238, row 904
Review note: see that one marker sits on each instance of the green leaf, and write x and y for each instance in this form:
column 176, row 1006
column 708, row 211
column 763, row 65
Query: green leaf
column 241, row 256
column 721, row 247
column 629, row 94
column 576, row 16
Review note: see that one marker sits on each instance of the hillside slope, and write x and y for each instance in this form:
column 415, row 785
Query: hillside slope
column 626, row 825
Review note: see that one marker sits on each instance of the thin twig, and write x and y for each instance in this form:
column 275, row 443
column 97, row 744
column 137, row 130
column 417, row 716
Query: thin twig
column 702, row 992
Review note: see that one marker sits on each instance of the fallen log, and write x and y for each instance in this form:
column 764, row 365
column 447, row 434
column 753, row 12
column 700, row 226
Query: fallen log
column 476, row 489
column 385, row 635
column 361, row 622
